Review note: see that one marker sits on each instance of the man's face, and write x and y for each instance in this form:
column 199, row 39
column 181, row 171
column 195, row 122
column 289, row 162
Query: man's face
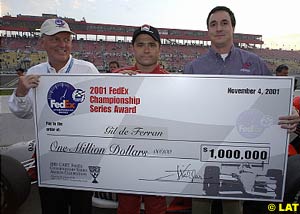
column 113, row 66
column 284, row 72
column 146, row 50
column 58, row 47
column 20, row 73
column 220, row 30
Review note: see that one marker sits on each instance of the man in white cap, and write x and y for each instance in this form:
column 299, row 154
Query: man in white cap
column 56, row 39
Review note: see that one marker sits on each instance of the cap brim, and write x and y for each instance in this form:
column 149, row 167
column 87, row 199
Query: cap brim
column 148, row 33
column 51, row 33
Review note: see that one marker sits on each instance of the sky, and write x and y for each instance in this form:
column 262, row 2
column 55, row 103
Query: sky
column 276, row 21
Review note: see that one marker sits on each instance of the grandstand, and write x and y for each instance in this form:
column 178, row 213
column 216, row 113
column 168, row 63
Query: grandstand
column 101, row 43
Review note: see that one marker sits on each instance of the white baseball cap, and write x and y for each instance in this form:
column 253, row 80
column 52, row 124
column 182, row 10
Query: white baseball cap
column 54, row 26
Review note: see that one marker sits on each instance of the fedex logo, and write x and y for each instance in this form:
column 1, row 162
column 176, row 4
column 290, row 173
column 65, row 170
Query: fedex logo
column 64, row 104
column 63, row 98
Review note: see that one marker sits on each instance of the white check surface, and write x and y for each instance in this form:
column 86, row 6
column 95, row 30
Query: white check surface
column 173, row 135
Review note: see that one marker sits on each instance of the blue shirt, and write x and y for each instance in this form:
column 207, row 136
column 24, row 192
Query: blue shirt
column 238, row 62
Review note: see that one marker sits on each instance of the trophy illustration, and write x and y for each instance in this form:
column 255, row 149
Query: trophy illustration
column 94, row 171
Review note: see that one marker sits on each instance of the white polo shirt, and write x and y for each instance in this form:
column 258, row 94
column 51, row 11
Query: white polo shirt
column 22, row 106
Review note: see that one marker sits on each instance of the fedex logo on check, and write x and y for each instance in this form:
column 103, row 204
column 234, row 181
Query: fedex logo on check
column 63, row 98
column 64, row 104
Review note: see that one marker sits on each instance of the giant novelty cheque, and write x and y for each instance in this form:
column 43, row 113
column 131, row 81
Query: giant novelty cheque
column 172, row 135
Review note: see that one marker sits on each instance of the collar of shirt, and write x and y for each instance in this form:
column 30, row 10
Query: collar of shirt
column 156, row 70
column 65, row 69
column 211, row 51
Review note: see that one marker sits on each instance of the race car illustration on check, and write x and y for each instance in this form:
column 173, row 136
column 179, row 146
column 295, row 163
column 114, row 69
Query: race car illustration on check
column 242, row 181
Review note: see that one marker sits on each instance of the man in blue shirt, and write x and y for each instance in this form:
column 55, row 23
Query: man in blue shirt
column 223, row 58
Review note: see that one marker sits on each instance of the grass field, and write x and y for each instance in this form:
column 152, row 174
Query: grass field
column 6, row 92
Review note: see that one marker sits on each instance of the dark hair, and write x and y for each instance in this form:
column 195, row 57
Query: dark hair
column 114, row 62
column 281, row 67
column 21, row 70
column 222, row 8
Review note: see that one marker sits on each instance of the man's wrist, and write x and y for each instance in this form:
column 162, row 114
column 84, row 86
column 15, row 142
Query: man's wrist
column 21, row 93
